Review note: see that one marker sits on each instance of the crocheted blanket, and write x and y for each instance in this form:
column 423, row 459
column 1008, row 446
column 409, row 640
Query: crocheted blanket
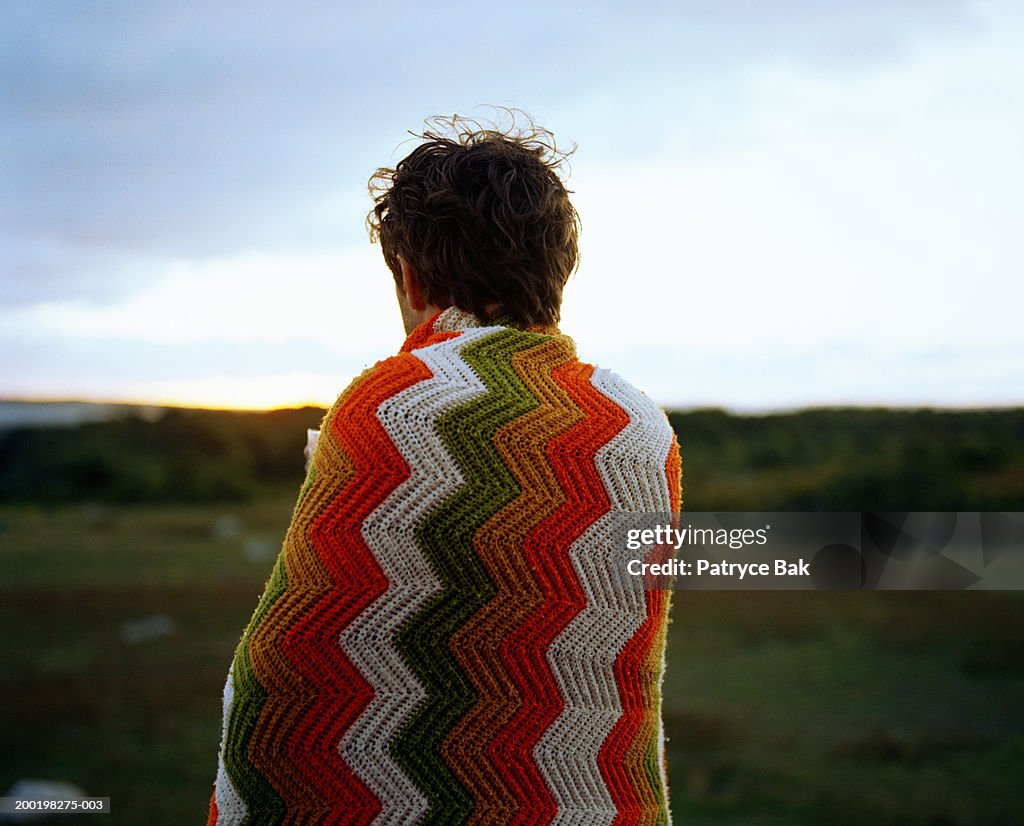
column 439, row 641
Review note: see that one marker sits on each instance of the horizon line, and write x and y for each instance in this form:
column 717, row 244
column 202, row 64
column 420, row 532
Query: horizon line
column 753, row 410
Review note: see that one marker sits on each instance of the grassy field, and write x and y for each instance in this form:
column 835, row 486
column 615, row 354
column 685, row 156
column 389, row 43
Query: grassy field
column 788, row 708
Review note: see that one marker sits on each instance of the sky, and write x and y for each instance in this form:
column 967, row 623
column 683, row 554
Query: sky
column 784, row 203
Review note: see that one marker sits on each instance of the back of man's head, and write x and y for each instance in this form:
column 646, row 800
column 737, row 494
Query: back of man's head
column 482, row 217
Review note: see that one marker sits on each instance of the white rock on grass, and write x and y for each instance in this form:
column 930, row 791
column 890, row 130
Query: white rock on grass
column 226, row 526
column 148, row 628
column 259, row 548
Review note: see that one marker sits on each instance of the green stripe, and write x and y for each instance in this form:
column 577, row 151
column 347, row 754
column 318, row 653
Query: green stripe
column 446, row 537
column 652, row 768
column 306, row 486
column 250, row 697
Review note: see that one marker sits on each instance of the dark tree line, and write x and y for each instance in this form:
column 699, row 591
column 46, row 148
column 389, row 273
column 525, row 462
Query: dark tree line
column 821, row 459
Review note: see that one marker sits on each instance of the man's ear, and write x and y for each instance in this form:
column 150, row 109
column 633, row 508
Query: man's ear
column 411, row 286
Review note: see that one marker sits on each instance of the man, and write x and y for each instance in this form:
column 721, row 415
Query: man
column 443, row 638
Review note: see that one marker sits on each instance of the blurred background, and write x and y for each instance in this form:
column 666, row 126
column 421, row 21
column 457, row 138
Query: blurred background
column 801, row 233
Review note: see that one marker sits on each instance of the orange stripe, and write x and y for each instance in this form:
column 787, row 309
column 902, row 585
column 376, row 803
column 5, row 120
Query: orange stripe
column 674, row 475
column 340, row 691
column 308, row 581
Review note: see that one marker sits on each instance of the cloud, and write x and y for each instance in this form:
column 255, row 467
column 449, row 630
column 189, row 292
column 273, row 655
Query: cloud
column 784, row 179
column 851, row 375
column 196, row 129
column 345, row 300
column 877, row 207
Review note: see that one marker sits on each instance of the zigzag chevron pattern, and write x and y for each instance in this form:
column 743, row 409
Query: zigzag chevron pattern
column 444, row 638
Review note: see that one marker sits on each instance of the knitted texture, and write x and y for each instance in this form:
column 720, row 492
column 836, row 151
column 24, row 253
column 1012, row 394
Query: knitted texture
column 445, row 637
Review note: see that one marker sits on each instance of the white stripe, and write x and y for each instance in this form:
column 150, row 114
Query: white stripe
column 582, row 657
column 409, row 418
column 231, row 808
column 662, row 763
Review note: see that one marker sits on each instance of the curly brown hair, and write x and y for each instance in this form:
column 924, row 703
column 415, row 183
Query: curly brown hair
column 483, row 218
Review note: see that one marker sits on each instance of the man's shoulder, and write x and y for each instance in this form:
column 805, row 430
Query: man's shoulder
column 473, row 354
column 524, row 394
column 444, row 368
column 626, row 393
column 645, row 431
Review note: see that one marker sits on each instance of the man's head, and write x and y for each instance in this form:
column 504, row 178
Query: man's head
column 478, row 219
